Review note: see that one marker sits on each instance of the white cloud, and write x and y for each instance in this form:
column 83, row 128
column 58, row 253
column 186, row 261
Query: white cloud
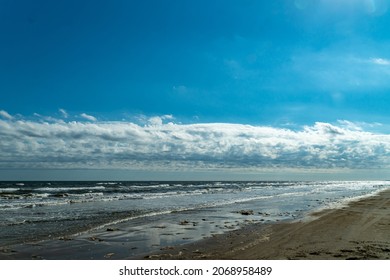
column 32, row 144
column 5, row 115
column 63, row 113
column 380, row 61
column 88, row 117
column 158, row 120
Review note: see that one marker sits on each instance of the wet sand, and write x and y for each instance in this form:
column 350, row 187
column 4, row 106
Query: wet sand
column 360, row 230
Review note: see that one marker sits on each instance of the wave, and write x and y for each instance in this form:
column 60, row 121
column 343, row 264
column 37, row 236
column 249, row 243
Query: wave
column 67, row 189
column 8, row 190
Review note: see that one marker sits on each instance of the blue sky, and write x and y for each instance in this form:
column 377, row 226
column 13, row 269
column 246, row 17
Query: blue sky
column 183, row 76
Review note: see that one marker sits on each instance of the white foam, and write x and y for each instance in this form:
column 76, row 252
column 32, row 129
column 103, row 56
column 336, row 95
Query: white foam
column 7, row 190
column 344, row 202
column 64, row 189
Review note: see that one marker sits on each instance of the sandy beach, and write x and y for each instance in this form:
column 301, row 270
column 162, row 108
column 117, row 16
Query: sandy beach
column 359, row 230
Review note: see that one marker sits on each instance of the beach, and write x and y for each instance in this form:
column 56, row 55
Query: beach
column 360, row 230
column 357, row 230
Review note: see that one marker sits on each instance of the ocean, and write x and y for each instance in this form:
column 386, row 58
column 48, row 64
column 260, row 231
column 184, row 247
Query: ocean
column 156, row 212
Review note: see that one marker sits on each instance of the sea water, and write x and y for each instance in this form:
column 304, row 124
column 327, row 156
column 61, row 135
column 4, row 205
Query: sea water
column 34, row 211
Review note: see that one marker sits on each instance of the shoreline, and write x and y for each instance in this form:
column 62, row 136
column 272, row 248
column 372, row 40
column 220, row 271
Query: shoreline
column 357, row 230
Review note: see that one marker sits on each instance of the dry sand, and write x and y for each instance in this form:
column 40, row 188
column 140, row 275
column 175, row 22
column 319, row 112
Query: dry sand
column 360, row 230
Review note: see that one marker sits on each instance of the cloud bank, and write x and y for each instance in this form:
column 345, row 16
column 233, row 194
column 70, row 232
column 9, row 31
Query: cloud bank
column 158, row 145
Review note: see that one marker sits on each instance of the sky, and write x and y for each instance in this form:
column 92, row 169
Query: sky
column 194, row 90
